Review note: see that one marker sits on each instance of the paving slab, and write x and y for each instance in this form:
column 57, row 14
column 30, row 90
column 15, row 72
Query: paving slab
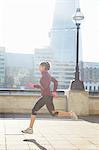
column 49, row 134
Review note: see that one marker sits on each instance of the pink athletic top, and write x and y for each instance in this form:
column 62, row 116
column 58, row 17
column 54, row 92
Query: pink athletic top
column 45, row 82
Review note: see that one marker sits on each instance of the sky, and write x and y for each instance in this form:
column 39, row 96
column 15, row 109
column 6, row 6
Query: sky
column 90, row 30
column 25, row 25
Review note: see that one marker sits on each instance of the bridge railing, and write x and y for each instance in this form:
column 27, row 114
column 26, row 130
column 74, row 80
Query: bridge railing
column 25, row 92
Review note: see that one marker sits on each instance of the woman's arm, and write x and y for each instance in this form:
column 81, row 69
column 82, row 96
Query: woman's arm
column 38, row 86
column 55, row 84
column 31, row 85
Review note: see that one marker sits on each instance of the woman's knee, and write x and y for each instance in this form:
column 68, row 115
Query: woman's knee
column 33, row 111
column 54, row 113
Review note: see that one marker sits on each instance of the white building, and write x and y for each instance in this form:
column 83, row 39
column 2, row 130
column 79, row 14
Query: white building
column 41, row 55
column 62, row 71
column 91, row 76
column 19, row 69
column 92, row 86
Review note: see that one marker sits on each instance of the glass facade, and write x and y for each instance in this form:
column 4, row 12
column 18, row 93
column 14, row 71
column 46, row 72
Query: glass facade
column 63, row 33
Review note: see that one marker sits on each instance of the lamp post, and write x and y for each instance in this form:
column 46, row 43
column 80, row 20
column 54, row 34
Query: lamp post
column 77, row 84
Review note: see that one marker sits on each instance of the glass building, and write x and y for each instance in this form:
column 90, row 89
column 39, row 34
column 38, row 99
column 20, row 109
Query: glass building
column 62, row 50
column 2, row 66
column 63, row 41
column 63, row 33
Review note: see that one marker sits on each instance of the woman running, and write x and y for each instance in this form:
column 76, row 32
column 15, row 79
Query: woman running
column 46, row 97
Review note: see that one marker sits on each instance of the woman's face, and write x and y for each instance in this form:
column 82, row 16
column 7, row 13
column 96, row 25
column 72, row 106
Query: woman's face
column 42, row 68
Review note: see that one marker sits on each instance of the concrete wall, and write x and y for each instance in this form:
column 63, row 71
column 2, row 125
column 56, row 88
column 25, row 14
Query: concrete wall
column 24, row 103
column 77, row 101
column 94, row 106
column 82, row 103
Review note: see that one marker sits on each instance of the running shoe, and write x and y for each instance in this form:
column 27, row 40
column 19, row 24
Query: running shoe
column 28, row 131
column 74, row 116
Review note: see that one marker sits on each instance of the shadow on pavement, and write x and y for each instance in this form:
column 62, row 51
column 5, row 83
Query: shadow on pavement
column 92, row 119
column 36, row 143
column 27, row 116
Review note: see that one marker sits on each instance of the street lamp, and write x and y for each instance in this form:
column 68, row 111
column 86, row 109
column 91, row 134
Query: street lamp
column 77, row 84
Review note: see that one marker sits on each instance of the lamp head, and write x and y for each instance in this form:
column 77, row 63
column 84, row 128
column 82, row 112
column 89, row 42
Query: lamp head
column 78, row 16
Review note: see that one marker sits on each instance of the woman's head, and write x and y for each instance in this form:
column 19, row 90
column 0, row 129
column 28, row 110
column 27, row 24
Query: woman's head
column 44, row 66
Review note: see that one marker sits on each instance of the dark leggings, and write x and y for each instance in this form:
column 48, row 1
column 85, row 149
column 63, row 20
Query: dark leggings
column 44, row 100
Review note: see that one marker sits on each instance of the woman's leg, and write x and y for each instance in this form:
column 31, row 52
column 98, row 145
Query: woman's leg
column 50, row 105
column 63, row 114
column 40, row 103
column 66, row 114
column 33, row 117
column 51, row 109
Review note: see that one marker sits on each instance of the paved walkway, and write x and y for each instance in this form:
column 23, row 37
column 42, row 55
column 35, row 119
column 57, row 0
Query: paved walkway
column 49, row 134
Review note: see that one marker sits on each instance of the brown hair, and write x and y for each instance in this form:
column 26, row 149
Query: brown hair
column 46, row 65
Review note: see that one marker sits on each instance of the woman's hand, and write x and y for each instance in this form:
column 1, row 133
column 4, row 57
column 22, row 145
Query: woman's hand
column 54, row 94
column 30, row 85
